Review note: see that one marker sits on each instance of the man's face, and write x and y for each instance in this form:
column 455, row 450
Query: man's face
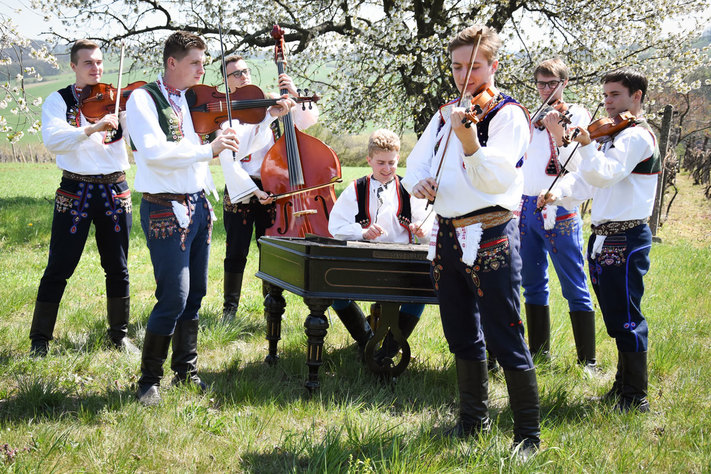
column 482, row 72
column 618, row 99
column 238, row 74
column 384, row 164
column 187, row 72
column 546, row 84
column 89, row 67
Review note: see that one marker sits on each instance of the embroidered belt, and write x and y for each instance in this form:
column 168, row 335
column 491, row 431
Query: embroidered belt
column 164, row 199
column 615, row 227
column 487, row 220
column 113, row 178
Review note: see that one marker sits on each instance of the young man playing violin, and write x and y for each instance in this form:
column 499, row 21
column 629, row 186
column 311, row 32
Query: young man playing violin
column 246, row 205
column 176, row 217
column 620, row 176
column 476, row 267
column 93, row 160
column 556, row 231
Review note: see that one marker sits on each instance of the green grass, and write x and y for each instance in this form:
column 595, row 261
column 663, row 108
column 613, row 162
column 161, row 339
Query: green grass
column 75, row 409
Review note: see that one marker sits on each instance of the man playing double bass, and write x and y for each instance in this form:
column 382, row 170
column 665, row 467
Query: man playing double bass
column 246, row 205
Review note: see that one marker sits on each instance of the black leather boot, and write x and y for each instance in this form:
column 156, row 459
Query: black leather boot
column 184, row 360
column 614, row 394
column 117, row 312
column 523, row 397
column 155, row 351
column 43, row 321
column 233, row 289
column 473, row 382
column 538, row 320
column 583, row 323
column 390, row 346
column 355, row 323
column 634, row 382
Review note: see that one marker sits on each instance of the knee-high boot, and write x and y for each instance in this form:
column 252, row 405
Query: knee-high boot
column 43, row 321
column 155, row 351
column 523, row 397
column 117, row 312
column 355, row 323
column 185, row 356
column 538, row 320
column 233, row 290
column 583, row 323
column 473, row 382
column 633, row 395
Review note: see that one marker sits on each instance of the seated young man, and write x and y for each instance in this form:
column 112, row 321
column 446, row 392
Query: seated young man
column 377, row 208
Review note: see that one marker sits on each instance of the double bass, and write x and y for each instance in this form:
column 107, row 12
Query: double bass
column 300, row 172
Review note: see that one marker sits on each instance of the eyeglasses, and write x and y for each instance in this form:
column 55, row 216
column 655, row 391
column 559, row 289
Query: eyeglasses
column 547, row 85
column 239, row 73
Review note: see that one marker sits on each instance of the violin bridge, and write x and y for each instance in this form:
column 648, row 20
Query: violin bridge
column 305, row 212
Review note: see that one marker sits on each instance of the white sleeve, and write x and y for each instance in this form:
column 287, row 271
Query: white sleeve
column 492, row 168
column 341, row 221
column 304, row 118
column 617, row 162
column 422, row 217
column 150, row 140
column 419, row 161
column 58, row 136
column 572, row 190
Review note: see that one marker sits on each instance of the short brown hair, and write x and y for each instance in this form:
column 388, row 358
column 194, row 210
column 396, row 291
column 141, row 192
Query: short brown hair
column 231, row 59
column 383, row 140
column 179, row 43
column 79, row 45
column 490, row 41
column 552, row 67
column 631, row 79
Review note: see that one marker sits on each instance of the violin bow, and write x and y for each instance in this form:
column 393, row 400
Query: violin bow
column 562, row 168
column 438, row 176
column 118, row 87
column 224, row 76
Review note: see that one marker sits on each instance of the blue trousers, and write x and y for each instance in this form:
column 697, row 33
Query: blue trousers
column 617, row 279
column 482, row 301
column 180, row 257
column 77, row 205
column 564, row 244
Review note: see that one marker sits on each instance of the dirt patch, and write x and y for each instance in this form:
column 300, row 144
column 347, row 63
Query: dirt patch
column 689, row 217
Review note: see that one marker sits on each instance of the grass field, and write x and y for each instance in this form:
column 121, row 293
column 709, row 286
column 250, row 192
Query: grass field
column 75, row 410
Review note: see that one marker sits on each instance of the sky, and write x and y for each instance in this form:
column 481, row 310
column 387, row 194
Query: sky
column 30, row 23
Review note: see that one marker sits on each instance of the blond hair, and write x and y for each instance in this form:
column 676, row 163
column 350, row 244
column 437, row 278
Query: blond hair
column 383, row 140
column 489, row 45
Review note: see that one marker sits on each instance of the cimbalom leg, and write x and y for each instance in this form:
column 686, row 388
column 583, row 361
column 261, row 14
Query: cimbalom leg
column 274, row 306
column 316, row 326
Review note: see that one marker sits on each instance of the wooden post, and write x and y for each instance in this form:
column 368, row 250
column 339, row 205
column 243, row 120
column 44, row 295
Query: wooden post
column 663, row 149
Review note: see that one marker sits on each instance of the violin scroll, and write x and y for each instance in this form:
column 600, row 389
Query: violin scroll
column 480, row 104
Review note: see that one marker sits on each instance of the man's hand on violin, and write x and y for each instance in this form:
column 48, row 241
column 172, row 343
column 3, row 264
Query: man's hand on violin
column 582, row 136
column 552, row 123
column 227, row 140
column 107, row 122
column 285, row 82
column 425, row 189
column 467, row 135
column 264, row 197
column 373, row 232
column 546, row 198
column 282, row 107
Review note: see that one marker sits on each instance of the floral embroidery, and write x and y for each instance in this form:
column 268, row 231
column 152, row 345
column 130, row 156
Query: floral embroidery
column 64, row 200
column 613, row 251
column 207, row 206
column 163, row 225
column 493, row 255
column 566, row 226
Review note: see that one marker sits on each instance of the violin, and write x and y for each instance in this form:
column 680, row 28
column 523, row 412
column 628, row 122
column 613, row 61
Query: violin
column 100, row 99
column 558, row 106
column 604, row 127
column 479, row 105
column 248, row 104
column 299, row 171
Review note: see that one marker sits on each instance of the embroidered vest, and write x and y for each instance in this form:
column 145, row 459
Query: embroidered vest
column 167, row 119
column 73, row 114
column 404, row 212
column 653, row 164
